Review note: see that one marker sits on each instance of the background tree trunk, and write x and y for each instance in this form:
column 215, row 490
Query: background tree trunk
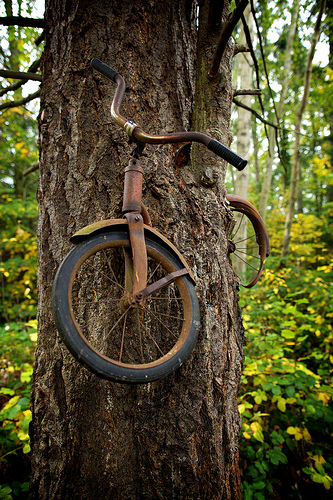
column 285, row 75
column 295, row 169
column 174, row 438
column 245, row 76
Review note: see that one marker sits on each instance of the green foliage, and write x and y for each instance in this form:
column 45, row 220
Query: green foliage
column 18, row 258
column 17, row 346
column 286, row 393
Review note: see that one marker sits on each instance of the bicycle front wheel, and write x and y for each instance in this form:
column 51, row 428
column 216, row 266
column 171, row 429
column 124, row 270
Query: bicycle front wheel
column 134, row 343
column 248, row 243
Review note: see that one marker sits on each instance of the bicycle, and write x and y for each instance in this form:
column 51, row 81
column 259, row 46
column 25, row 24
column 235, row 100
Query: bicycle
column 124, row 298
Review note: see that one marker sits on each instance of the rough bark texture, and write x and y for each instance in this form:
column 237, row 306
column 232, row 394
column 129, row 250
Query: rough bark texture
column 93, row 439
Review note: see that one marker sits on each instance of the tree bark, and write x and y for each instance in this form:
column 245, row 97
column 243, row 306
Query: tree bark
column 177, row 437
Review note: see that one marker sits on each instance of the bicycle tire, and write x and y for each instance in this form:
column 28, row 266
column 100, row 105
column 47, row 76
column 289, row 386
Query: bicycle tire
column 253, row 257
column 78, row 301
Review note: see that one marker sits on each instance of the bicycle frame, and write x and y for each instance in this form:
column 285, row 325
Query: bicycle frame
column 111, row 301
column 138, row 223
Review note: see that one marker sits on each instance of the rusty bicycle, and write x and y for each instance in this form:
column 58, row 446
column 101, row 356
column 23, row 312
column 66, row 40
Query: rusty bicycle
column 124, row 299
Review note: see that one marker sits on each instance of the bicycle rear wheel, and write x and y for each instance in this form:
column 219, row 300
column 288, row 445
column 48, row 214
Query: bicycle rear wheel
column 134, row 343
column 248, row 243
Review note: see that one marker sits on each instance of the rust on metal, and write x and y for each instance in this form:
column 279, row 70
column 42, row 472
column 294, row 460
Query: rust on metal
column 154, row 287
column 139, row 251
column 133, row 186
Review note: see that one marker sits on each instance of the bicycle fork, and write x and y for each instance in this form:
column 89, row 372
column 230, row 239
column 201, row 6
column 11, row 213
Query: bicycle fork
column 136, row 266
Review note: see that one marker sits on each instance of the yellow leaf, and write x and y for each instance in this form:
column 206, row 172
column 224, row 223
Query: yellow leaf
column 23, row 436
column 257, row 431
column 18, row 110
column 12, row 402
column 26, row 448
column 319, row 459
column 246, row 435
column 306, row 435
column 281, row 404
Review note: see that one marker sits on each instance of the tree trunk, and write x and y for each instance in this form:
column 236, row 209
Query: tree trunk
column 285, row 75
column 329, row 10
column 177, row 437
column 295, row 169
column 245, row 75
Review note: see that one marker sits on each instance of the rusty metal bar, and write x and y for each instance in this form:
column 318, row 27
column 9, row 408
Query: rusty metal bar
column 133, row 187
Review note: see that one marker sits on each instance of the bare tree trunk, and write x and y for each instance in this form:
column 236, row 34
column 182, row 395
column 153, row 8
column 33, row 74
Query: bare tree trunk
column 329, row 9
column 245, row 74
column 177, row 437
column 295, row 169
column 279, row 110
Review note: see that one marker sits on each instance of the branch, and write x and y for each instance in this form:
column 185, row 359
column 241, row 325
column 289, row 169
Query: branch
column 263, row 57
column 20, row 75
column 31, row 169
column 247, row 92
column 263, row 120
column 20, row 102
column 225, row 35
column 14, row 86
column 255, row 113
column 25, row 22
column 240, row 48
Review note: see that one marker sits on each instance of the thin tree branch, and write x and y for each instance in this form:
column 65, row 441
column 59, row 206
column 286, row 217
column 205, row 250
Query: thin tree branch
column 40, row 39
column 263, row 57
column 255, row 113
column 263, row 120
column 247, row 92
column 25, row 22
column 31, row 169
column 20, row 102
column 255, row 62
column 240, row 48
column 14, row 86
column 225, row 35
column 20, row 75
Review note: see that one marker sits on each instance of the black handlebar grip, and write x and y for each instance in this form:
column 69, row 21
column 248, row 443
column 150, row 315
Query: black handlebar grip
column 104, row 69
column 228, row 155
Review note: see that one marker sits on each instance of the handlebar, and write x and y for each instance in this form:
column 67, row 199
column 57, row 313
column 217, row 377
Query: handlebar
column 138, row 135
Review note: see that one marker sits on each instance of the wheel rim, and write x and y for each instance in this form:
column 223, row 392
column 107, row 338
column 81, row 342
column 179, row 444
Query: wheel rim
column 136, row 337
column 245, row 250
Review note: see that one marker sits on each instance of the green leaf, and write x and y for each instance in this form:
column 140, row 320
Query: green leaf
column 290, row 391
column 259, row 485
column 281, row 404
column 288, row 334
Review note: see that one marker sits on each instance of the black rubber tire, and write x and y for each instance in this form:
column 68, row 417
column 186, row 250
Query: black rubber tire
column 70, row 330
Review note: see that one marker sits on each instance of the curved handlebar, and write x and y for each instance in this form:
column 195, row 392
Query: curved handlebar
column 138, row 135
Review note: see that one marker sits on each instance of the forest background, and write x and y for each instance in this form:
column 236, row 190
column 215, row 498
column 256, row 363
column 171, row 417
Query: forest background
column 285, row 399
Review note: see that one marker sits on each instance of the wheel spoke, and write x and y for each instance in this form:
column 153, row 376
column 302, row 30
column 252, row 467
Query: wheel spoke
column 122, row 334
column 149, row 335
column 246, row 262
column 149, row 311
column 106, row 276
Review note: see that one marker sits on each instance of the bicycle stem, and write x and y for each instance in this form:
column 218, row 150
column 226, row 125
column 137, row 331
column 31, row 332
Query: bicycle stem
column 140, row 136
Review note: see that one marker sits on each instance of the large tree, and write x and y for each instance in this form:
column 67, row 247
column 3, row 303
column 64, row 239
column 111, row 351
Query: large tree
column 177, row 437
